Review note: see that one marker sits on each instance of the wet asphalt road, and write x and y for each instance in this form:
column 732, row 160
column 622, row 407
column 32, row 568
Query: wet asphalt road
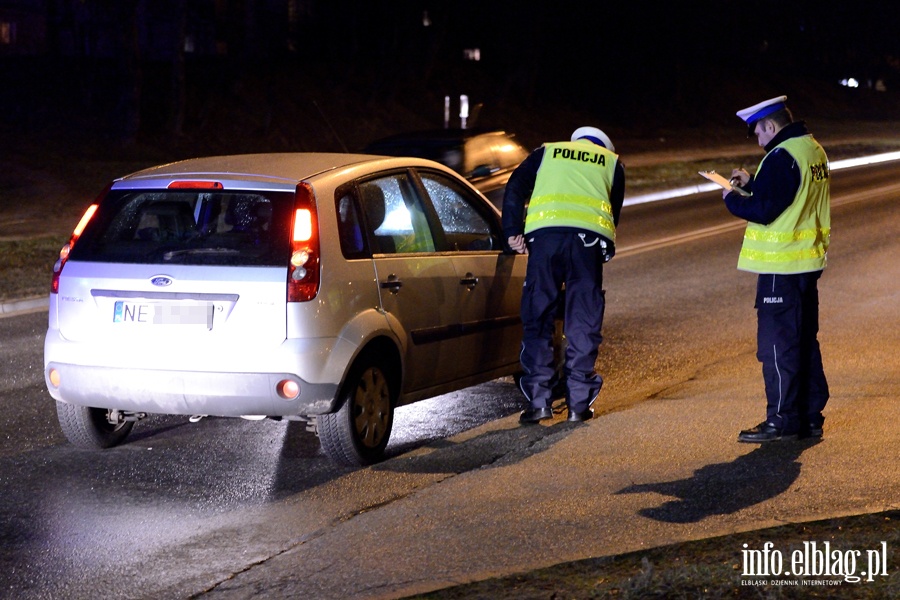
column 65, row 511
column 235, row 509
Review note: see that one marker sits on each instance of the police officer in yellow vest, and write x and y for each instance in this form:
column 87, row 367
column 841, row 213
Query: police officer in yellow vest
column 788, row 227
column 573, row 192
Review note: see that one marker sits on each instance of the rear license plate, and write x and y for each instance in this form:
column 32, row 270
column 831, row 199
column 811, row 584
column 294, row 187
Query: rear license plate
column 164, row 313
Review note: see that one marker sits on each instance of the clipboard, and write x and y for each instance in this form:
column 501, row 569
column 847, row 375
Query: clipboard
column 724, row 183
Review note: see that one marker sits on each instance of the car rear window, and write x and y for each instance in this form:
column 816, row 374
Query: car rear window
column 189, row 227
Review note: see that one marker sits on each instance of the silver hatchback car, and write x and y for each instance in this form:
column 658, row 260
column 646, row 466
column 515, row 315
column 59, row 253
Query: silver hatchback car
column 326, row 288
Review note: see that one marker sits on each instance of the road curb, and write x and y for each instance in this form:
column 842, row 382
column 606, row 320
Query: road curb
column 25, row 305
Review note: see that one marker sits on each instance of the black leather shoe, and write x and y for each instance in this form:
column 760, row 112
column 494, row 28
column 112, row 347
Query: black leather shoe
column 765, row 432
column 585, row 415
column 533, row 415
column 812, row 432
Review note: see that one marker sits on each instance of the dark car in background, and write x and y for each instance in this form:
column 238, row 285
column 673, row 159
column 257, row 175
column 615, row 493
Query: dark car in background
column 485, row 157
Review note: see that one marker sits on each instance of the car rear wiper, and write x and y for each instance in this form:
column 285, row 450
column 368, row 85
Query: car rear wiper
column 199, row 251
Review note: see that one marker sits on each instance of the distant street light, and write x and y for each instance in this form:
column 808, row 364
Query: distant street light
column 463, row 110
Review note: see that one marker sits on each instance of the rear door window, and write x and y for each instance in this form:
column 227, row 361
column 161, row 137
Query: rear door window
column 395, row 216
column 350, row 226
column 189, row 227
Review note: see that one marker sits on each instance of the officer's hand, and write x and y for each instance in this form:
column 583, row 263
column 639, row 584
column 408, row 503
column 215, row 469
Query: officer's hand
column 607, row 250
column 517, row 243
column 740, row 177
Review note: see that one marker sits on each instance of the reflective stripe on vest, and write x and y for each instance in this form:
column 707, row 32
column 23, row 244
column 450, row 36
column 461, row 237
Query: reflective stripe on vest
column 572, row 189
column 797, row 241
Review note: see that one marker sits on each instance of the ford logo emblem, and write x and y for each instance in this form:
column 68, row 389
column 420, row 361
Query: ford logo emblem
column 161, row 280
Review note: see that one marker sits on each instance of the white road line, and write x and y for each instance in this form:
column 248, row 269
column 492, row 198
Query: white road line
column 708, row 187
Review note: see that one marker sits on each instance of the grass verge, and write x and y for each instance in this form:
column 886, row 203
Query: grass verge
column 715, row 567
column 28, row 265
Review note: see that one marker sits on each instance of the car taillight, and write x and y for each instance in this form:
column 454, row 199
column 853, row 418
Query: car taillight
column 303, row 270
column 65, row 250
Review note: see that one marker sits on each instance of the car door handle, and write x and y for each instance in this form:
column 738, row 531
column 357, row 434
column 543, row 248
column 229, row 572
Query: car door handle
column 470, row 281
column 393, row 284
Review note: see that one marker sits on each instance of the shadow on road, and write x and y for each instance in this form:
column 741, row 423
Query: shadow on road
column 501, row 446
column 726, row 488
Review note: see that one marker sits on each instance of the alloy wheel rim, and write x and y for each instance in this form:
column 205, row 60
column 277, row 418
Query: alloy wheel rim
column 372, row 403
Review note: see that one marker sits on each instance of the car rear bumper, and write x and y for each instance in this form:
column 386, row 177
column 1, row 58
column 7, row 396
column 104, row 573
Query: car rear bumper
column 186, row 392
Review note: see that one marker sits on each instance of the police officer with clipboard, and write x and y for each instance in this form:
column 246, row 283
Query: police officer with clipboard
column 573, row 191
column 788, row 218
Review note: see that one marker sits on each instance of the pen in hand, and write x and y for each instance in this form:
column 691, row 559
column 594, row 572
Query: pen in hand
column 737, row 177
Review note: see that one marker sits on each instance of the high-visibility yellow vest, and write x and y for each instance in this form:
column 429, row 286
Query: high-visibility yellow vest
column 797, row 241
column 572, row 189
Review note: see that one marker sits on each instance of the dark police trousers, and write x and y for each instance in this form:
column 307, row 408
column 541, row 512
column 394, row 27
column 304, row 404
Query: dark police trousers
column 787, row 309
column 573, row 258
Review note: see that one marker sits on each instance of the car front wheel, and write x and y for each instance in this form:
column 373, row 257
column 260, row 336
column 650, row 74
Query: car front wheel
column 358, row 432
column 88, row 427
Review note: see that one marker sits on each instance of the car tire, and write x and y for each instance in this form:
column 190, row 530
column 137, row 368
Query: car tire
column 88, row 427
column 357, row 434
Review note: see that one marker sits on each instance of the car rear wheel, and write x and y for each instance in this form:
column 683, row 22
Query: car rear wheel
column 358, row 432
column 88, row 427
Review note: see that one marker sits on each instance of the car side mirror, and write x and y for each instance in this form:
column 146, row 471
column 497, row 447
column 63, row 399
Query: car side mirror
column 481, row 171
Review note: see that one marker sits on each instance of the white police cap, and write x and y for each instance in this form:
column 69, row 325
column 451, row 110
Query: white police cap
column 595, row 135
column 765, row 108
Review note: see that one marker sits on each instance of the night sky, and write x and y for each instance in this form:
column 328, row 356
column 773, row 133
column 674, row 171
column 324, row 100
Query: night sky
column 632, row 61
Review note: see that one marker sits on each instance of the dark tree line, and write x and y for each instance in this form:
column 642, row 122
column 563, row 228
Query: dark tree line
column 138, row 62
